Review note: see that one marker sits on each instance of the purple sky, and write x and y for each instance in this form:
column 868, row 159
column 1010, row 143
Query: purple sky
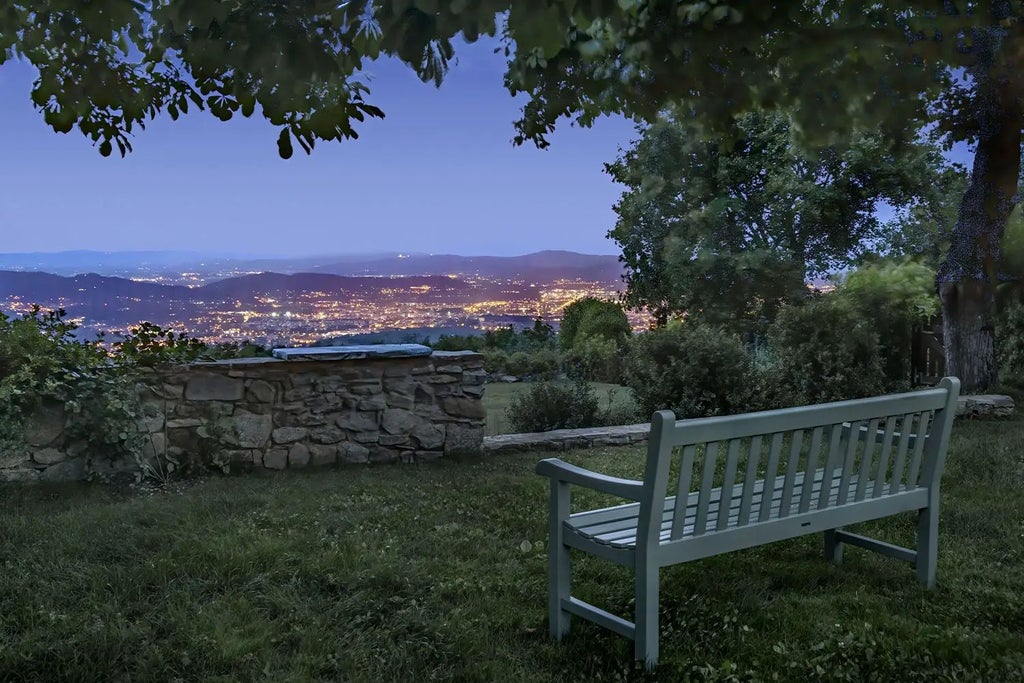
column 438, row 175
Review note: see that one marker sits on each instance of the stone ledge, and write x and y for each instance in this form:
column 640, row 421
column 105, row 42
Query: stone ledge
column 354, row 352
column 563, row 439
column 984, row 405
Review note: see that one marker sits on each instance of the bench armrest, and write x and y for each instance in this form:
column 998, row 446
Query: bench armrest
column 560, row 470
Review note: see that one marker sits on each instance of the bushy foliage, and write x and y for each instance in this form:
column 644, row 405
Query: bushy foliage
column 690, row 368
column 824, row 350
column 544, row 364
column 43, row 364
column 593, row 317
column 1010, row 340
column 454, row 342
column 548, row 406
column 594, row 358
column 892, row 297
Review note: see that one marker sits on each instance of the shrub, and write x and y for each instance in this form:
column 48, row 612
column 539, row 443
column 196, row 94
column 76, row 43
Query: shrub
column 549, row 406
column 1010, row 340
column 690, row 368
column 594, row 358
column 892, row 297
column 544, row 364
column 495, row 360
column 518, row 364
column 824, row 350
column 593, row 317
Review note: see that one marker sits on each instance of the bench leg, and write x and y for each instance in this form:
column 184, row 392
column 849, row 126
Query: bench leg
column 558, row 561
column 833, row 547
column 927, row 545
column 646, row 643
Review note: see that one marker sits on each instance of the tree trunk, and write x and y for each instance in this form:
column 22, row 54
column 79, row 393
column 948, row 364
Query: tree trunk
column 966, row 280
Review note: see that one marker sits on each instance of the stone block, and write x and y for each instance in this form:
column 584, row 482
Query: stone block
column 354, row 453
column 68, row 470
column 429, row 436
column 299, row 394
column 474, row 390
column 398, row 421
column 151, row 425
column 182, row 439
column 288, row 434
column 208, row 386
column 184, row 423
column 275, row 459
column 171, row 392
column 366, row 437
column 427, row 369
column 373, row 403
column 464, row 406
column 323, row 454
column 46, row 425
column 357, row 421
column 49, row 456
column 261, row 391
column 393, row 439
column 15, row 459
column 450, row 369
column 473, row 377
column 400, row 385
column 298, row 455
column 248, row 430
column 382, row 455
column 326, row 435
column 403, row 401
column 19, row 476
column 463, row 440
column 442, row 379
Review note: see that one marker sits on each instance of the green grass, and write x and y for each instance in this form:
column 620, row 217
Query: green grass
column 498, row 396
column 437, row 572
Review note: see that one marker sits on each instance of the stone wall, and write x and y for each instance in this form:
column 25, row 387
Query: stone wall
column 277, row 414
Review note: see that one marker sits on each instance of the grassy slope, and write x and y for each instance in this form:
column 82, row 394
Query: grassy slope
column 437, row 572
column 498, row 395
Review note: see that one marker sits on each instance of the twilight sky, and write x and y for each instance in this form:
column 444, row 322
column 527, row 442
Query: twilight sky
column 439, row 174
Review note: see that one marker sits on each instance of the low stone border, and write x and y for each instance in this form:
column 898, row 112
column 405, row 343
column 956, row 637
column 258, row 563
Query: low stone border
column 563, row 439
column 984, row 405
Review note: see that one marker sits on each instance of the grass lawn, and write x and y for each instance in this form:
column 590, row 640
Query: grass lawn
column 498, row 395
column 437, row 572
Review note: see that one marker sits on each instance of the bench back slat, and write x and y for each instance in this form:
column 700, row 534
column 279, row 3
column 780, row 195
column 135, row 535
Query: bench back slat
column 832, row 461
column 683, row 490
column 794, row 460
column 883, row 459
column 866, row 459
column 771, row 471
column 849, row 441
column 848, row 462
column 749, row 480
column 727, row 484
column 707, row 480
column 915, row 463
column 906, row 425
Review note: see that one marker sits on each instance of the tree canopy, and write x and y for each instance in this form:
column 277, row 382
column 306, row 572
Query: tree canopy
column 730, row 228
column 837, row 65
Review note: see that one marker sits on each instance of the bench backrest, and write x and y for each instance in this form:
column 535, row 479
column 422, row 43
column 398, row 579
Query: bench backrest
column 870, row 447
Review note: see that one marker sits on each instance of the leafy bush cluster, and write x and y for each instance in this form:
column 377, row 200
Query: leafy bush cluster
column 547, row 405
column 44, row 364
column 850, row 343
column 589, row 345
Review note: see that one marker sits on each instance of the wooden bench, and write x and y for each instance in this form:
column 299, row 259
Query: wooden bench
column 753, row 479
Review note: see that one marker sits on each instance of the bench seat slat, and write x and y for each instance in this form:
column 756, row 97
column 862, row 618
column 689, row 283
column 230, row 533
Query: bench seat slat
column 621, row 532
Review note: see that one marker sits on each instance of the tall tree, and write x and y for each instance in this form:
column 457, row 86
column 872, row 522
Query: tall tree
column 729, row 229
column 837, row 65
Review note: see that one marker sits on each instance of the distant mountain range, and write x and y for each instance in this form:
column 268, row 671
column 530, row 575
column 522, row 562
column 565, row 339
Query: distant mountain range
column 539, row 267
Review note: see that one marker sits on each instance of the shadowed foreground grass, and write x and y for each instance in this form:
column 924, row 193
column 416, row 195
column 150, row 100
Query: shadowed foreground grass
column 437, row 572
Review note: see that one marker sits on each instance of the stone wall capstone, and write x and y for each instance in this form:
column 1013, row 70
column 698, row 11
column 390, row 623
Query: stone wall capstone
column 308, row 410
